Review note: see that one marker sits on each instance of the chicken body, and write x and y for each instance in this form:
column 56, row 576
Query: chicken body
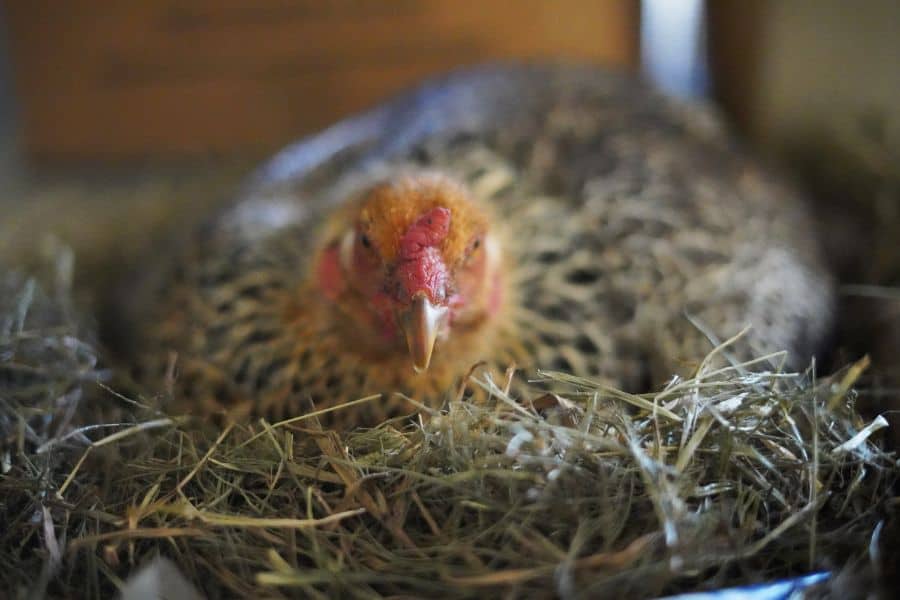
column 617, row 215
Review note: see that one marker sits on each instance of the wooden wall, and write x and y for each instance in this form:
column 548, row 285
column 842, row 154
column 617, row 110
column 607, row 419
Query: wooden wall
column 120, row 79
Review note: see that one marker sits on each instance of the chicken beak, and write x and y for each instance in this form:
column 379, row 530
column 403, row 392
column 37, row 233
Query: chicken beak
column 421, row 323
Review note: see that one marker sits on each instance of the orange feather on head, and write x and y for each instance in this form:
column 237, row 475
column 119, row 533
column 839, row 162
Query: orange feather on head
column 390, row 208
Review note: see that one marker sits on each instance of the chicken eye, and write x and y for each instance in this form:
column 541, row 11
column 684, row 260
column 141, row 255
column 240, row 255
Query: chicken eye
column 365, row 241
column 472, row 252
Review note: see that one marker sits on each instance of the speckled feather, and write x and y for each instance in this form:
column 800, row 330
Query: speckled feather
column 619, row 213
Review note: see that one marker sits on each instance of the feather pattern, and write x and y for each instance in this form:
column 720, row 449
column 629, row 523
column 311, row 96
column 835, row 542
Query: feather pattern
column 621, row 217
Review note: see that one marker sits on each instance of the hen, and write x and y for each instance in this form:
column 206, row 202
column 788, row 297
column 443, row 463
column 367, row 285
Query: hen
column 556, row 217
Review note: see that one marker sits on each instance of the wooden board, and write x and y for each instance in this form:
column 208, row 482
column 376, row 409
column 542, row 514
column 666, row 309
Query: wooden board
column 107, row 79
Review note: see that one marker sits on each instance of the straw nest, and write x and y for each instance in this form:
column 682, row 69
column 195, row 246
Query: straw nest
column 740, row 474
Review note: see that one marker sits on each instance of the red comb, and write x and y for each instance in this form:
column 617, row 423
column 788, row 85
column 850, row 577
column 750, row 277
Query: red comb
column 429, row 230
column 421, row 267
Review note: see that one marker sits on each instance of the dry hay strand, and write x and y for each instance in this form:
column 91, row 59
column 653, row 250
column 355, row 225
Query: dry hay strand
column 741, row 473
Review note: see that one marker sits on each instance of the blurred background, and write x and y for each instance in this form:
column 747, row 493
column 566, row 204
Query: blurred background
column 116, row 115
column 90, row 81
